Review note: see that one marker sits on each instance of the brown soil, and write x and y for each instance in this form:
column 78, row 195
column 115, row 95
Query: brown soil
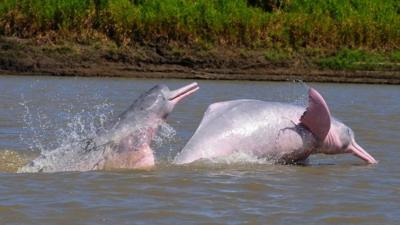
column 27, row 57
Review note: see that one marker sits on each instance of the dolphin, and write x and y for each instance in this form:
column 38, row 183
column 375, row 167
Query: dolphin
column 280, row 132
column 124, row 143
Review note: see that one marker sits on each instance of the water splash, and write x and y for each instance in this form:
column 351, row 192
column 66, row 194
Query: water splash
column 46, row 130
column 63, row 137
column 241, row 157
column 164, row 142
column 299, row 95
column 33, row 139
column 166, row 133
column 59, row 132
column 84, row 125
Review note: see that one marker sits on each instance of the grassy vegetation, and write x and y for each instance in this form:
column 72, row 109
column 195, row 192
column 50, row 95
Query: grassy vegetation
column 395, row 56
column 277, row 55
column 366, row 27
column 359, row 60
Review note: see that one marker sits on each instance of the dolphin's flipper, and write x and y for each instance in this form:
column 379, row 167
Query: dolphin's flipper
column 317, row 117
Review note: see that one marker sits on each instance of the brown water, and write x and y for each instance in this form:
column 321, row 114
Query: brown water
column 41, row 113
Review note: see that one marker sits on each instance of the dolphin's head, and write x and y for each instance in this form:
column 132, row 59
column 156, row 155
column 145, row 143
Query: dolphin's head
column 160, row 101
column 334, row 137
column 340, row 139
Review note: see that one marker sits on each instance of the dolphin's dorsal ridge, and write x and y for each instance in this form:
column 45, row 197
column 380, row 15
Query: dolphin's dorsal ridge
column 217, row 106
column 317, row 117
column 212, row 112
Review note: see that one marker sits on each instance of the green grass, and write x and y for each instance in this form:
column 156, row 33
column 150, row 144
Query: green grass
column 277, row 55
column 24, row 17
column 343, row 23
column 354, row 60
column 330, row 25
column 395, row 56
column 370, row 24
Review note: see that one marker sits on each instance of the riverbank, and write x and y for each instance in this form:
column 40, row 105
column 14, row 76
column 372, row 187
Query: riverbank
column 325, row 41
column 63, row 58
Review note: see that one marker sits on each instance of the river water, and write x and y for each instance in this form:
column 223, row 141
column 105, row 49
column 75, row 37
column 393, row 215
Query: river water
column 41, row 113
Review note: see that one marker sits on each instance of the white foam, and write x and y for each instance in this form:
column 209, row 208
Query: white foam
column 240, row 157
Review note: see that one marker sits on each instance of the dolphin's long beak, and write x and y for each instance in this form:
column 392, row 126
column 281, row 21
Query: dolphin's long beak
column 179, row 94
column 361, row 153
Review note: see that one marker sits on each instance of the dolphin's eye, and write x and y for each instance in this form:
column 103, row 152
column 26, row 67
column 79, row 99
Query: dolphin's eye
column 160, row 95
column 347, row 138
column 148, row 102
column 350, row 133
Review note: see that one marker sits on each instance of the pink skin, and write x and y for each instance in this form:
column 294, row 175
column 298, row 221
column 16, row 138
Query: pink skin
column 181, row 93
column 358, row 151
column 317, row 119
column 143, row 157
column 281, row 132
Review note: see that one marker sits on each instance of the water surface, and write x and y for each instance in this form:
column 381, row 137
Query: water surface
column 40, row 113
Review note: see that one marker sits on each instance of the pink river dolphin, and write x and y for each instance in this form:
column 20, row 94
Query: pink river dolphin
column 124, row 144
column 279, row 132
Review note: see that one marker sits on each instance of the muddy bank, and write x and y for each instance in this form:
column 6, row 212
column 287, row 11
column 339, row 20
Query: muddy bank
column 27, row 57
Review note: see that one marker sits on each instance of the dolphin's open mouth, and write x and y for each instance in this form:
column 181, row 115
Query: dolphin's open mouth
column 179, row 94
